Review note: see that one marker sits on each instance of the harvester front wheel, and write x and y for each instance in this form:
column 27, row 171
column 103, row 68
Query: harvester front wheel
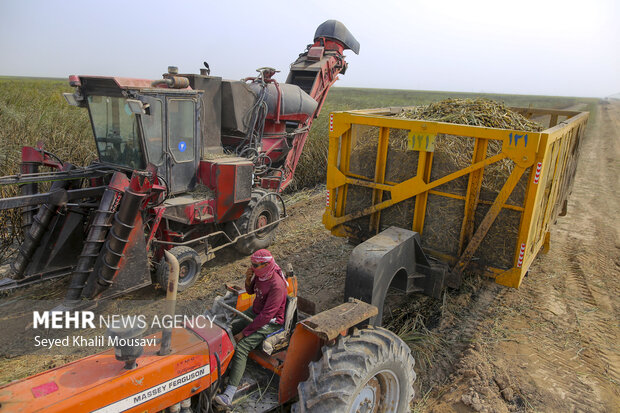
column 189, row 268
column 368, row 371
column 260, row 212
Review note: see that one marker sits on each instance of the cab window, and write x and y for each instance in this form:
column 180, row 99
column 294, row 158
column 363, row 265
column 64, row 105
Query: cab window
column 116, row 131
column 152, row 125
column 181, row 125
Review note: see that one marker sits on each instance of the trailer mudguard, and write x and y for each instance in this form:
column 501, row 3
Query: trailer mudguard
column 393, row 258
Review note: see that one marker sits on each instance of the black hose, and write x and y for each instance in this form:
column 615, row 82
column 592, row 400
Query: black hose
column 214, row 388
column 257, row 121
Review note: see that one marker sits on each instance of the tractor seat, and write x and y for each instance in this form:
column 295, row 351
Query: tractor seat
column 278, row 340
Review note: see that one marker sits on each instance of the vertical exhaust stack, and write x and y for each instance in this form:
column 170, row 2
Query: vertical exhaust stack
column 127, row 353
column 171, row 301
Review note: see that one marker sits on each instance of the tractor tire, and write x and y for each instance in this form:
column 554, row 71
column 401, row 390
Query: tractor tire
column 189, row 268
column 368, row 371
column 262, row 210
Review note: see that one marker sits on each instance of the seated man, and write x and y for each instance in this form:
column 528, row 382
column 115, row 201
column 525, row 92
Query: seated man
column 265, row 279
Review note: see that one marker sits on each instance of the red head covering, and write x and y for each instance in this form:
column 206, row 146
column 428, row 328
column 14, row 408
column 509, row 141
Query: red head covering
column 264, row 256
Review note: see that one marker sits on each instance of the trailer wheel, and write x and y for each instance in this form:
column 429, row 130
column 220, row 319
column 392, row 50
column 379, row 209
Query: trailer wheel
column 261, row 211
column 368, row 371
column 189, row 268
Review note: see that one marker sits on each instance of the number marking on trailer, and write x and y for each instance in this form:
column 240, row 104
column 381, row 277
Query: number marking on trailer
column 424, row 142
column 155, row 391
column 517, row 138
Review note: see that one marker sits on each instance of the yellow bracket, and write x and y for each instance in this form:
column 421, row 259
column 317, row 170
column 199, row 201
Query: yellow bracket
column 520, row 147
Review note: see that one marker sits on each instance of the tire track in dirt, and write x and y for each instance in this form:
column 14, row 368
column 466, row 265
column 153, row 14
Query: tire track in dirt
column 593, row 323
column 555, row 364
column 576, row 279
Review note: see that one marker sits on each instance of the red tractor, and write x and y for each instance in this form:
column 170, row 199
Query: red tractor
column 190, row 163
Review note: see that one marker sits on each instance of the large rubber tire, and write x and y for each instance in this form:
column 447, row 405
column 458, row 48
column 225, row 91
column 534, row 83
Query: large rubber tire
column 189, row 268
column 262, row 210
column 368, row 371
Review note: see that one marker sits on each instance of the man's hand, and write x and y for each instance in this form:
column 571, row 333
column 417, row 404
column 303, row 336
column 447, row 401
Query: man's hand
column 248, row 279
column 239, row 337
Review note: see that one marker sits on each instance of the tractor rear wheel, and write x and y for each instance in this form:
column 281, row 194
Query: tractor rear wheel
column 189, row 268
column 260, row 212
column 368, row 371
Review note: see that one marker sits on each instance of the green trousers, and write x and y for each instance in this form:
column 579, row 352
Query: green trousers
column 247, row 344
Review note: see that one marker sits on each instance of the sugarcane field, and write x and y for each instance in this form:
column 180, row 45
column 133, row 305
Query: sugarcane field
column 413, row 208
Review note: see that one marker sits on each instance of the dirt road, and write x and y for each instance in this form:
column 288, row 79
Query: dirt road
column 553, row 345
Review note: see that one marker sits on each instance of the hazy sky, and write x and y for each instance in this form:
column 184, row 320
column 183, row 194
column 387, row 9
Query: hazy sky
column 547, row 47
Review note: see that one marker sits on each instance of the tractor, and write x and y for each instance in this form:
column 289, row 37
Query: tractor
column 189, row 163
column 333, row 361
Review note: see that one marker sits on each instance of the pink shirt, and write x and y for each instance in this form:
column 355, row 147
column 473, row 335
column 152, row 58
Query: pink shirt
column 269, row 303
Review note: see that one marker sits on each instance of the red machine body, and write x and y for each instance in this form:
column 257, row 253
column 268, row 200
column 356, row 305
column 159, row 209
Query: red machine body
column 189, row 163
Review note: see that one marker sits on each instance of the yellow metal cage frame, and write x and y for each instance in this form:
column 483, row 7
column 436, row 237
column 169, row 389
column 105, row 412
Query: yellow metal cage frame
column 551, row 154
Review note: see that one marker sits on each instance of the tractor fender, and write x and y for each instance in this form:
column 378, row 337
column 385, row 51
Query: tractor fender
column 392, row 258
column 310, row 335
column 328, row 324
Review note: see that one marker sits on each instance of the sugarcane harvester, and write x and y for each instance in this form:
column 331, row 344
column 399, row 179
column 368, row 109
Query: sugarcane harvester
column 189, row 163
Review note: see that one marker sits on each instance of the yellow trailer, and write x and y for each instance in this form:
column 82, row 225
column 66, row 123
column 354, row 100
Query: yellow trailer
column 541, row 164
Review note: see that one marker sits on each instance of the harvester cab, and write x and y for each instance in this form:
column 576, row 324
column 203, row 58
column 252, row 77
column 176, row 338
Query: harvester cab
column 135, row 126
column 189, row 163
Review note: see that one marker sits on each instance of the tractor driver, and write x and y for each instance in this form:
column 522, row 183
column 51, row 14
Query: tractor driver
column 265, row 279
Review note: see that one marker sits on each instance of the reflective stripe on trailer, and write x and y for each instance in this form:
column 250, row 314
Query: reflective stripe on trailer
column 521, row 255
column 537, row 175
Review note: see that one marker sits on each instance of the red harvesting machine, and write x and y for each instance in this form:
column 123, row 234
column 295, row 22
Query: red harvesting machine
column 189, row 163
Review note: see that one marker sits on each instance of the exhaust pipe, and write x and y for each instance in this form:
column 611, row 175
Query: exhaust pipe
column 171, row 301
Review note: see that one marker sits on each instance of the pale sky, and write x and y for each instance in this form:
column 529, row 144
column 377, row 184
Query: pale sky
column 541, row 47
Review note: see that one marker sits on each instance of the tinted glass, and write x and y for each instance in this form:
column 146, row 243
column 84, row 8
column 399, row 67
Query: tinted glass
column 181, row 125
column 116, row 131
column 152, row 125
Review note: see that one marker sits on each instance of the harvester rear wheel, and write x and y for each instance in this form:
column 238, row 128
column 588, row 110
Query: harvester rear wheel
column 368, row 371
column 261, row 211
column 189, row 268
